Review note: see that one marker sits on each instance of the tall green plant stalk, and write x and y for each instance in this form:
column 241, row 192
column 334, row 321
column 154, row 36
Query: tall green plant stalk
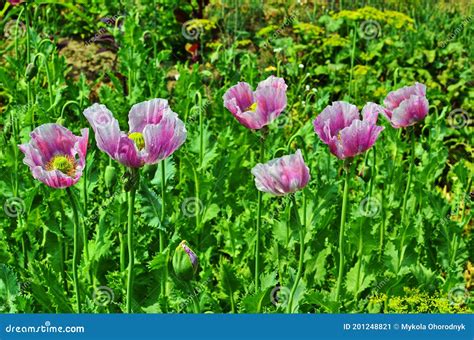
column 341, row 230
column 259, row 220
column 361, row 235
column 28, row 60
column 130, row 236
column 354, row 34
column 405, row 199
column 75, row 255
column 161, row 232
column 302, row 232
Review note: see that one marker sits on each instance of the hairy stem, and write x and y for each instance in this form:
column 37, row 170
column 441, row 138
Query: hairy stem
column 75, row 255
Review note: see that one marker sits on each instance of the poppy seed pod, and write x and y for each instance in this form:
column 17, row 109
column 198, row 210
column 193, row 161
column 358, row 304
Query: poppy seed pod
column 31, row 71
column 185, row 262
column 110, row 176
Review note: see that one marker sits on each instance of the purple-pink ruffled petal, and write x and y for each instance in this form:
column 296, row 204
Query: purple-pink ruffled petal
column 394, row 98
column 239, row 98
column 128, row 154
column 162, row 139
column 271, row 99
column 333, row 119
column 358, row 138
column 52, row 139
column 410, row 111
column 282, row 175
column 55, row 178
column 47, row 142
column 106, row 128
column 251, row 120
column 371, row 111
column 148, row 112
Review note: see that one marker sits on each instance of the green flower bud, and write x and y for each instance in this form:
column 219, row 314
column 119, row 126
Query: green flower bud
column 31, row 71
column 110, row 176
column 185, row 262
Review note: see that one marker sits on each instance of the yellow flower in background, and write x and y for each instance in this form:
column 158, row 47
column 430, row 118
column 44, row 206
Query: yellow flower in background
column 335, row 40
column 307, row 28
column 392, row 18
column 244, row 42
column 361, row 70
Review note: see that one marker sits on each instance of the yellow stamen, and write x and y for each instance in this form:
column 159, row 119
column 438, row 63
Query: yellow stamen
column 64, row 163
column 137, row 137
column 252, row 107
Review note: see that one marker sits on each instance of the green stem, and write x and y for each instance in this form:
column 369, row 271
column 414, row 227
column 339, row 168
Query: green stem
column 131, row 255
column 161, row 232
column 259, row 222
column 382, row 226
column 122, row 252
column 201, row 130
column 405, row 199
column 341, row 233
column 359, row 262
column 353, row 31
column 28, row 60
column 75, row 254
column 61, row 259
column 302, row 230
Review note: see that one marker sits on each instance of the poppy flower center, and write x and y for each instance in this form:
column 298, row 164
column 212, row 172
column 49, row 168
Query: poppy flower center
column 64, row 163
column 252, row 107
column 138, row 139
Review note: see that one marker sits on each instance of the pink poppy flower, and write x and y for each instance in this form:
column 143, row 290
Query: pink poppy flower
column 406, row 106
column 55, row 155
column 340, row 127
column 15, row 2
column 283, row 175
column 155, row 132
column 257, row 109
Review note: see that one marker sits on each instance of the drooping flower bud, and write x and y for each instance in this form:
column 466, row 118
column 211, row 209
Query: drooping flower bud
column 185, row 262
column 31, row 71
column 110, row 176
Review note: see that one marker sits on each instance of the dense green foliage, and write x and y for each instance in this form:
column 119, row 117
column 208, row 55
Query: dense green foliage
column 148, row 49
